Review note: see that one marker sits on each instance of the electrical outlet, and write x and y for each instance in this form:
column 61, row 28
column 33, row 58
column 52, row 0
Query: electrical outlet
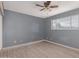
column 15, row 41
column 47, row 38
column 21, row 41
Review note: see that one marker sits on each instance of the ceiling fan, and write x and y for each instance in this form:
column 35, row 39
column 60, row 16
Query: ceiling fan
column 46, row 5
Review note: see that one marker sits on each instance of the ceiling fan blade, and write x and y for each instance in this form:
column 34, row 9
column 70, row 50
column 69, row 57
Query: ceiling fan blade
column 42, row 9
column 39, row 5
column 55, row 6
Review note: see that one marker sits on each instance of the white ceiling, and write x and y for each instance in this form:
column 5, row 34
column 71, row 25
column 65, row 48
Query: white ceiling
column 28, row 7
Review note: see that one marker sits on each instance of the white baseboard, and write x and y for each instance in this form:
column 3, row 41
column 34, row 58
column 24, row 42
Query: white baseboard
column 62, row 45
column 34, row 42
column 25, row 44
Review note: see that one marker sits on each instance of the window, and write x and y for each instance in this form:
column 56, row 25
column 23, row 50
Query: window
column 66, row 23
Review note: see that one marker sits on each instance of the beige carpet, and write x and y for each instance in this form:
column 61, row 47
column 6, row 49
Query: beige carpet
column 39, row 50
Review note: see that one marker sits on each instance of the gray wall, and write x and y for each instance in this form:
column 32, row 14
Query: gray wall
column 66, row 37
column 24, row 28
column 21, row 28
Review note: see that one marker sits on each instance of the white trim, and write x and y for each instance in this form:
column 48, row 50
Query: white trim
column 34, row 42
column 1, row 18
column 62, row 45
column 25, row 44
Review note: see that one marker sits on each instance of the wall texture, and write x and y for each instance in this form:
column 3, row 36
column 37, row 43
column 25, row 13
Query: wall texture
column 20, row 28
column 66, row 37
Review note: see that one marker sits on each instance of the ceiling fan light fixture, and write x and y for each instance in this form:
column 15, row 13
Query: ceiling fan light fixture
column 47, row 5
